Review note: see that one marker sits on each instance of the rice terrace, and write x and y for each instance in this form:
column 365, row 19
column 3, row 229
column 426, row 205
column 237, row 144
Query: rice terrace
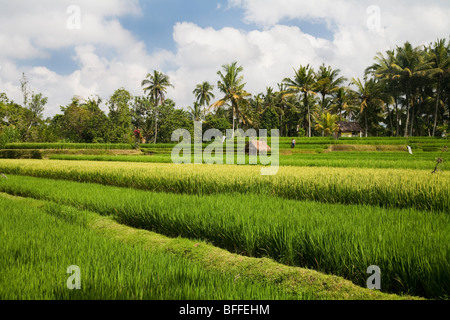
column 140, row 198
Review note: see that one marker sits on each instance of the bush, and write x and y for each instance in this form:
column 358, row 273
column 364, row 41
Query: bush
column 8, row 135
column 20, row 154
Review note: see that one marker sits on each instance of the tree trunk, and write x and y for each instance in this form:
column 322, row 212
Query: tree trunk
column 156, row 121
column 437, row 107
column 281, row 126
column 412, row 117
column 407, row 114
column 390, row 122
column 323, row 111
column 397, row 130
column 366, row 123
column 323, row 103
column 309, row 115
column 233, row 119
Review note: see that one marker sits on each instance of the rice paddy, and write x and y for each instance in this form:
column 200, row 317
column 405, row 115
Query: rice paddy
column 400, row 188
column 327, row 215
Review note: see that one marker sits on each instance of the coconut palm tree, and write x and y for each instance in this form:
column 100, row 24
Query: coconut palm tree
column 328, row 82
column 440, row 58
column 304, row 84
column 203, row 94
column 327, row 123
column 269, row 100
column 196, row 113
column 156, row 85
column 368, row 94
column 384, row 72
column 343, row 103
column 410, row 65
column 231, row 84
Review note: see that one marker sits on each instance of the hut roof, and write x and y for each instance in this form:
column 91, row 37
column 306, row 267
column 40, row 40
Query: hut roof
column 349, row 126
column 259, row 146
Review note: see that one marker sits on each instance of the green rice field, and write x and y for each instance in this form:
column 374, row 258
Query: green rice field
column 142, row 228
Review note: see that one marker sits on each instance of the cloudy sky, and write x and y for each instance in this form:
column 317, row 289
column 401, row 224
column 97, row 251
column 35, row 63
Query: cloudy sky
column 84, row 48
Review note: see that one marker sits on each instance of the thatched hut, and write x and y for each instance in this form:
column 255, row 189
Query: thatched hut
column 349, row 130
column 259, row 146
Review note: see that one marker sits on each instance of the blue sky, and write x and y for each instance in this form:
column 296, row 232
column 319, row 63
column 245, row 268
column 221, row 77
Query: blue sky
column 155, row 25
column 119, row 41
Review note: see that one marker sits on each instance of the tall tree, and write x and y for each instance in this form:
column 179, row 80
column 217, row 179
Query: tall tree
column 156, row 85
column 369, row 96
column 120, row 115
column 232, row 84
column 328, row 82
column 98, row 128
column 440, row 58
column 343, row 103
column 34, row 105
column 383, row 70
column 304, row 83
column 203, row 94
column 409, row 65
column 196, row 113
column 327, row 123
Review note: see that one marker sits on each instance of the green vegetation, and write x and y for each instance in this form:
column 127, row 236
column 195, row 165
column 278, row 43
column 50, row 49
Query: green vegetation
column 334, row 239
column 32, row 268
column 69, row 146
column 404, row 93
column 118, row 262
column 421, row 161
column 337, row 205
column 380, row 187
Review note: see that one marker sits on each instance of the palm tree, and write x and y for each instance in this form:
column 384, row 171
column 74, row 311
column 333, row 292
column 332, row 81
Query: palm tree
column 271, row 100
column 328, row 82
column 369, row 98
column 383, row 70
column 203, row 94
column 304, row 83
column 156, row 85
column 439, row 55
column 327, row 123
column 231, row 84
column 196, row 113
column 343, row 103
column 409, row 66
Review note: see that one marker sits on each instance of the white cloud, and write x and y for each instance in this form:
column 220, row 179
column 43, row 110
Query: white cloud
column 267, row 56
column 109, row 56
column 355, row 42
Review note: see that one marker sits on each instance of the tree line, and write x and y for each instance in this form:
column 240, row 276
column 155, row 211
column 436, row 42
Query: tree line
column 405, row 92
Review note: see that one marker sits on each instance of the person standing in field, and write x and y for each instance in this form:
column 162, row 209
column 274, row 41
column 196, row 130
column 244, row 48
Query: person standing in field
column 293, row 143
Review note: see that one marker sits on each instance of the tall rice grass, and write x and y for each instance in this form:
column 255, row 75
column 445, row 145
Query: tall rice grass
column 380, row 187
column 410, row 246
column 39, row 243
column 419, row 161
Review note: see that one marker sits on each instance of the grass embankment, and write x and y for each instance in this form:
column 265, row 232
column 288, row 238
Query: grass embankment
column 40, row 240
column 393, row 160
column 380, row 187
column 69, row 146
column 411, row 247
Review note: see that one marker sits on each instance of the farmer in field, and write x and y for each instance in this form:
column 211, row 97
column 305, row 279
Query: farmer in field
column 293, row 143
